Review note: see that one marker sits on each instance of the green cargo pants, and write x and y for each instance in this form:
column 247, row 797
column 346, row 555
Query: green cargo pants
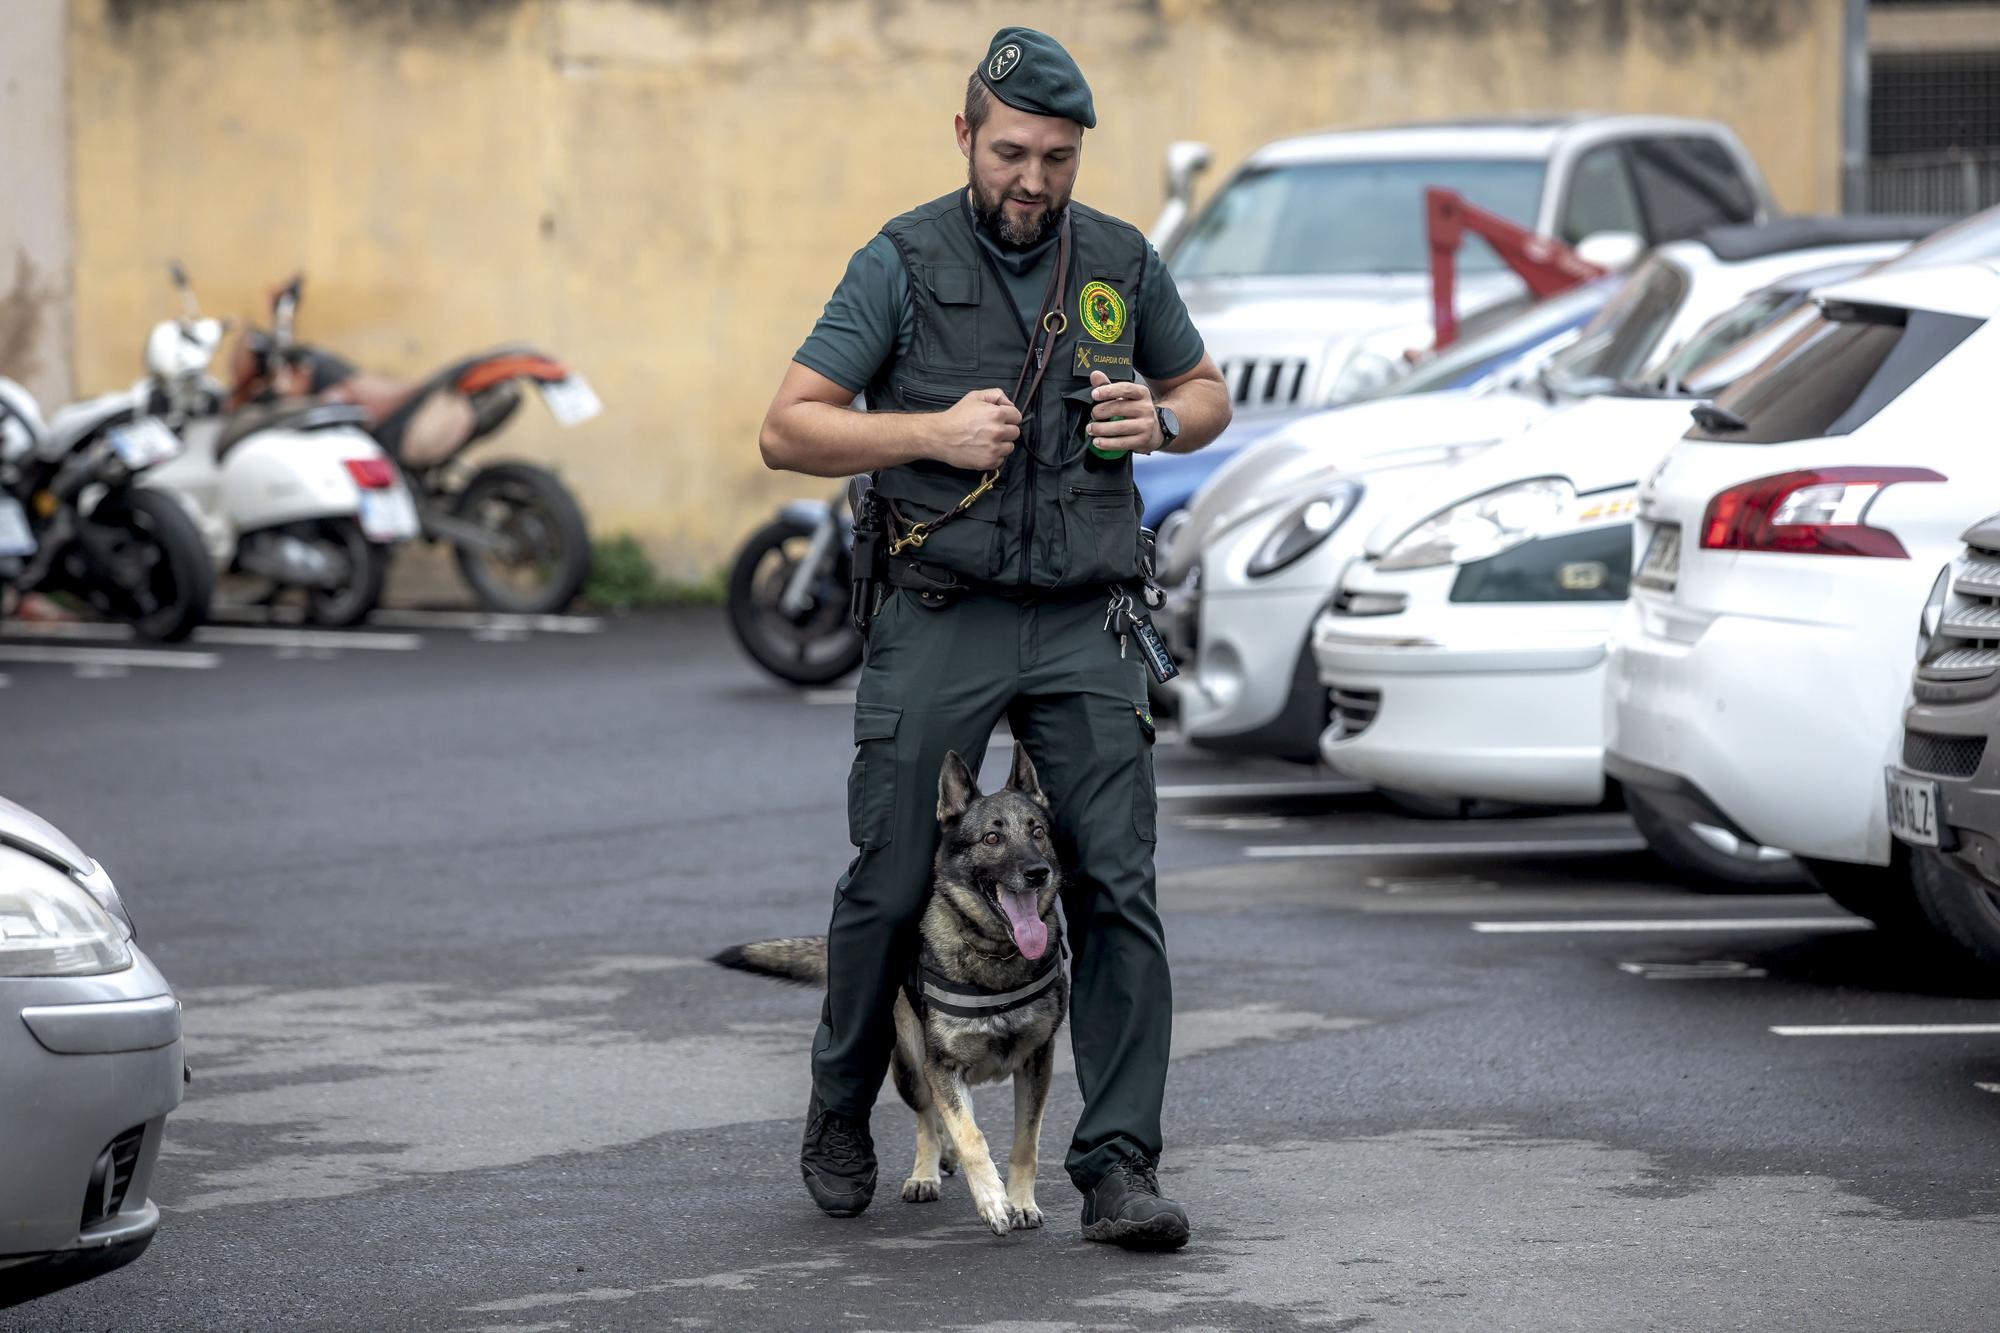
column 938, row 680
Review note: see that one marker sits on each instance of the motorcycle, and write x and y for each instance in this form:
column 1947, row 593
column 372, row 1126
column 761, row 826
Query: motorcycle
column 791, row 592
column 290, row 492
column 73, row 520
column 518, row 535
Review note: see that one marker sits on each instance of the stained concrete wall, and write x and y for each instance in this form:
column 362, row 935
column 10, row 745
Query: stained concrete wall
column 664, row 191
column 34, row 200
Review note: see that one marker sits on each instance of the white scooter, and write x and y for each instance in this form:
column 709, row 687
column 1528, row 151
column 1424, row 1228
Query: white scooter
column 296, row 494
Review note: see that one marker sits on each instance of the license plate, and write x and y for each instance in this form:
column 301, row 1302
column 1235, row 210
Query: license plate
column 142, row 443
column 15, row 538
column 1913, row 809
column 388, row 516
column 571, row 401
column 1661, row 566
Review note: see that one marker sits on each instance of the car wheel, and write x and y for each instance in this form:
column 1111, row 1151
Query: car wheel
column 1964, row 907
column 1712, row 859
column 1882, row 894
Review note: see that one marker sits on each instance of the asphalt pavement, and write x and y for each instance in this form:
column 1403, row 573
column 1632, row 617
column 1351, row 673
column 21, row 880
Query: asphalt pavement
column 436, row 895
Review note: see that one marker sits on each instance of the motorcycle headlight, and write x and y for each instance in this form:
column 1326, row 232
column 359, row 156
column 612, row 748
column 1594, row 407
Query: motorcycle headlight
column 51, row 926
column 1305, row 526
column 1482, row 526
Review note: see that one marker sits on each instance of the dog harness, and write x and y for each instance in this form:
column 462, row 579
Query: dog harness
column 928, row 989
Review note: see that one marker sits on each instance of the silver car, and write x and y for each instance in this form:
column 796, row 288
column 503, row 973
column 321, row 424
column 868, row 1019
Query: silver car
column 90, row 1065
column 1308, row 273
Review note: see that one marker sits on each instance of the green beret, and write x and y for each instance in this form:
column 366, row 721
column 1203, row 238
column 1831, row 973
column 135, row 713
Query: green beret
column 1030, row 72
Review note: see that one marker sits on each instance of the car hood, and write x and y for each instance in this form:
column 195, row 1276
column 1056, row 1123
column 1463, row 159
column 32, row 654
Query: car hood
column 1352, row 438
column 27, row 830
column 1319, row 308
column 1598, row 444
column 1284, row 342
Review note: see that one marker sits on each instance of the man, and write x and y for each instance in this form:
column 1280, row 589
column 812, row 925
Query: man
column 996, row 333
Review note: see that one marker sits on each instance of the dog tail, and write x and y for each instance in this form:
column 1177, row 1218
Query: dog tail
column 801, row 961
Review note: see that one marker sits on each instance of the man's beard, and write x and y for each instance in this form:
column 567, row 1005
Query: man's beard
column 1015, row 235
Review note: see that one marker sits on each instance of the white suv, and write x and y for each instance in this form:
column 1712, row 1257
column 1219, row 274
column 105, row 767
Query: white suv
column 1308, row 273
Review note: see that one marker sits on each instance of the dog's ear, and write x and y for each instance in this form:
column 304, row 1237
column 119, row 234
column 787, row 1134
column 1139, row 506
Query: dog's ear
column 1022, row 777
column 956, row 789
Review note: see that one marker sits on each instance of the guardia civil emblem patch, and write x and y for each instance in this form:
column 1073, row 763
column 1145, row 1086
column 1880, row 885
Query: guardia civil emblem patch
column 1102, row 311
column 1003, row 62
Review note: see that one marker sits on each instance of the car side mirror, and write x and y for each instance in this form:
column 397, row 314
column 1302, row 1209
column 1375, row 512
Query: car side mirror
column 1185, row 160
column 1612, row 251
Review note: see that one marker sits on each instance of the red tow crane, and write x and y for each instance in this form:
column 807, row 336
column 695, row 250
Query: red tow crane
column 1547, row 265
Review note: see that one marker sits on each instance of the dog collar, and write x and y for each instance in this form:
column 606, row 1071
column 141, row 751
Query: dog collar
column 950, row 996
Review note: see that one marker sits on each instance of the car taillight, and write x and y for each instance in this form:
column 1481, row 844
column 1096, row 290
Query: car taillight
column 1816, row 511
column 371, row 474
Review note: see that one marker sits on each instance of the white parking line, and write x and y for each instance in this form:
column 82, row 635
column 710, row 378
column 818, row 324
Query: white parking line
column 486, row 620
column 281, row 637
column 104, row 657
column 1671, row 924
column 492, row 622
column 1891, row 1030
column 1208, row 791
column 1717, row 969
column 254, row 636
column 1535, row 847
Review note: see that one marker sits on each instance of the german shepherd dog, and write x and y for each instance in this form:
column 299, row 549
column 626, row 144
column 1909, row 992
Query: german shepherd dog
column 989, row 934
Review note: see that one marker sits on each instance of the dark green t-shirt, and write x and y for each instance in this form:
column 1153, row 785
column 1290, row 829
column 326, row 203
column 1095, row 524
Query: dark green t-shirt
column 868, row 318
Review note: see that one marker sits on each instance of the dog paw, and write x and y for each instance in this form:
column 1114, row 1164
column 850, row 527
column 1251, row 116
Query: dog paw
column 998, row 1215
column 920, row 1189
column 948, row 1165
column 1024, row 1217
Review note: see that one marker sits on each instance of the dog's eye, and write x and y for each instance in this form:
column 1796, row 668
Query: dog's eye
column 991, row 840
column 1036, row 831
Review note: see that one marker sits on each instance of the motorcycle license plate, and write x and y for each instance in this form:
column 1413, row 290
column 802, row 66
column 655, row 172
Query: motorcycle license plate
column 15, row 538
column 1913, row 809
column 571, row 401
column 142, row 443
column 1661, row 567
column 388, row 516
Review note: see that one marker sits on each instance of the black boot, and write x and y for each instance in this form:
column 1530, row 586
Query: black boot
column 1126, row 1208
column 837, row 1160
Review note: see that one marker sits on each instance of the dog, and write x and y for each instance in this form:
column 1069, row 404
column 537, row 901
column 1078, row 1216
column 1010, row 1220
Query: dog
column 989, row 993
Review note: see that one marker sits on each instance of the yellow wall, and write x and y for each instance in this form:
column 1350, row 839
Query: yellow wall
column 664, row 191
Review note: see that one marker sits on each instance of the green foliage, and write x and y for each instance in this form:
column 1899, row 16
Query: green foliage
column 622, row 578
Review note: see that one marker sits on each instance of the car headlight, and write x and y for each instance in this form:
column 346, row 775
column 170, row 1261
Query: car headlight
column 1482, row 526
column 1933, row 614
column 51, row 926
column 1364, row 373
column 1305, row 526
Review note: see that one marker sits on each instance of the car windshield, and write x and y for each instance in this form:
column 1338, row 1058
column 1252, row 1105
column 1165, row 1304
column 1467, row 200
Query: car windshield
column 1517, row 337
column 1755, row 313
column 1618, row 343
column 1347, row 217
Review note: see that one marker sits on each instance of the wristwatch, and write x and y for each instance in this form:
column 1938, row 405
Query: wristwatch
column 1170, row 426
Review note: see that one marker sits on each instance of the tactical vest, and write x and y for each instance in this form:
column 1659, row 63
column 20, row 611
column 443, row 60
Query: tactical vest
column 1059, row 517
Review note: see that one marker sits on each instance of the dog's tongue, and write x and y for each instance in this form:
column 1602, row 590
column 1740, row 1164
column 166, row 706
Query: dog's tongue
column 1031, row 937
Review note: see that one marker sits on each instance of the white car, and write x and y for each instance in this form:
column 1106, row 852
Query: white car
column 1479, row 673
column 1249, row 682
column 1308, row 274
column 1756, row 677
